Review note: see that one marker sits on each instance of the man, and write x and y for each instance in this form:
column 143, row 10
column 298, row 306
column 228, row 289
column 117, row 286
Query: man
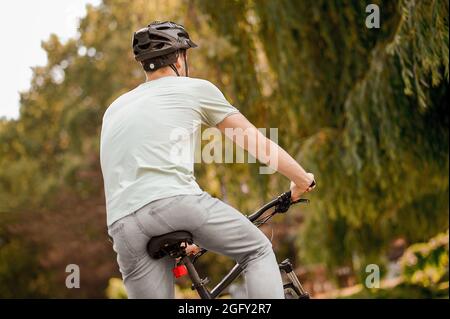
column 150, row 192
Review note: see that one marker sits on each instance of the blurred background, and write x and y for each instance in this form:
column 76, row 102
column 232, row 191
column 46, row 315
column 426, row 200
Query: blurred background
column 363, row 109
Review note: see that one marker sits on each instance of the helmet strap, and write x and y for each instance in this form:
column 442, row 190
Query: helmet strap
column 174, row 68
column 186, row 68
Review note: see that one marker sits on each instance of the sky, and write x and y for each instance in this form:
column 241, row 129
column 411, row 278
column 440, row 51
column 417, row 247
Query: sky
column 24, row 24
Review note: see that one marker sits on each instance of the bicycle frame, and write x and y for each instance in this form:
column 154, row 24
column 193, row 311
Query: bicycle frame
column 281, row 204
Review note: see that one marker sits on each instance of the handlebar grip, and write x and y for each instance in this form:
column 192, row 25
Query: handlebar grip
column 301, row 200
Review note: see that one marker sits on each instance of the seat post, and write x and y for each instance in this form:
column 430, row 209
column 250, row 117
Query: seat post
column 197, row 282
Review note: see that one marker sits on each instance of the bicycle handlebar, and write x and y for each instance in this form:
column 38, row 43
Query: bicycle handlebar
column 281, row 204
column 268, row 206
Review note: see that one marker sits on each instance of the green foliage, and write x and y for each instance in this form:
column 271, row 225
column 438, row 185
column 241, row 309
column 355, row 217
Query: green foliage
column 424, row 272
column 20, row 274
column 402, row 291
column 426, row 264
column 116, row 289
column 366, row 113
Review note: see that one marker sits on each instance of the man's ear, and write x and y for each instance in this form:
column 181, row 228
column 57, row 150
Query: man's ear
column 179, row 63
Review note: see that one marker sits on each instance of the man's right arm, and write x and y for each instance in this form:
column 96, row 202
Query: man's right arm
column 247, row 136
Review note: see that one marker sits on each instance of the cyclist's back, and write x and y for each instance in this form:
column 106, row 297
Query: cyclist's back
column 148, row 141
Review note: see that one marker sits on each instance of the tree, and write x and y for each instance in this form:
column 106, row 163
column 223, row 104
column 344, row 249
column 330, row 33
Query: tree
column 366, row 111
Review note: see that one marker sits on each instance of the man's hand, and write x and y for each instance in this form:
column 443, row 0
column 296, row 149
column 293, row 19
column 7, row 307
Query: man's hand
column 298, row 191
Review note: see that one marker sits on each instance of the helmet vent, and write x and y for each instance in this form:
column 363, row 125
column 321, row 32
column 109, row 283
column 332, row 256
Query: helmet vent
column 154, row 37
column 144, row 46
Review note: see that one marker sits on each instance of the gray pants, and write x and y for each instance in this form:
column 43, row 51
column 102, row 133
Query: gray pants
column 214, row 225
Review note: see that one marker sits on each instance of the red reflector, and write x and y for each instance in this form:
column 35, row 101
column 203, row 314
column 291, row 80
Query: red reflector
column 179, row 271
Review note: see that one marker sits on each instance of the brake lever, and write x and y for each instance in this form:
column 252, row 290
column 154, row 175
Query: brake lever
column 285, row 202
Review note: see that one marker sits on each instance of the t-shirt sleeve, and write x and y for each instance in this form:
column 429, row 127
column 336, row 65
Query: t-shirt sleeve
column 214, row 107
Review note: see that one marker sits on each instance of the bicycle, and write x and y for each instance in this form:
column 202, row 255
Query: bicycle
column 174, row 244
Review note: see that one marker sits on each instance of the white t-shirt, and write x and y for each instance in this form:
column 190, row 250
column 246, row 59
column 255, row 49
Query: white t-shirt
column 143, row 134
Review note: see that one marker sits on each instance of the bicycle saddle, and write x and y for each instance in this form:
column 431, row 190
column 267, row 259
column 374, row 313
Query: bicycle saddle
column 168, row 244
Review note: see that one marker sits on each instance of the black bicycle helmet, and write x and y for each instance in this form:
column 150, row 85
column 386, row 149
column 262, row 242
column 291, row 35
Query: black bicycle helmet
column 159, row 44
